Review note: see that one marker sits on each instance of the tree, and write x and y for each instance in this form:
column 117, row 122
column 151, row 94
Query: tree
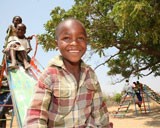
column 129, row 27
column 117, row 98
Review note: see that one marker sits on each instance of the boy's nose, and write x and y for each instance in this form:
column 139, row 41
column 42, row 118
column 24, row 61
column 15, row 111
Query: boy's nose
column 74, row 42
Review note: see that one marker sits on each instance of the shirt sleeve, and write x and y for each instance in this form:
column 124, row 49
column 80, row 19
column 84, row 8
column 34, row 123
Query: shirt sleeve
column 99, row 116
column 37, row 114
column 28, row 44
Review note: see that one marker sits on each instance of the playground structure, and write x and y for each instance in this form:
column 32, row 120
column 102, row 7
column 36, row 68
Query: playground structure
column 16, row 95
column 127, row 99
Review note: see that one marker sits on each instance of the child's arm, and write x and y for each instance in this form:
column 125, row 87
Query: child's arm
column 28, row 50
column 10, row 44
column 29, row 47
column 5, row 50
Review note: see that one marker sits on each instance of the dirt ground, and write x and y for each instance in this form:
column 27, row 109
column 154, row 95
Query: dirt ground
column 142, row 120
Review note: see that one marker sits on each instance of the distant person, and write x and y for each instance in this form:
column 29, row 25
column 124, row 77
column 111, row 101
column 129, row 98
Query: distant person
column 68, row 94
column 127, row 89
column 137, row 89
column 18, row 47
column 11, row 30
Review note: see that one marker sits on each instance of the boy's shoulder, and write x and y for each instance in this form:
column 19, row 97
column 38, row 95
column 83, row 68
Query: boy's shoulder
column 11, row 26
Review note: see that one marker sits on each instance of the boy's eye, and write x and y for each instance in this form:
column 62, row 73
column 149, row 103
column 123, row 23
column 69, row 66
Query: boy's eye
column 81, row 39
column 69, row 39
column 66, row 39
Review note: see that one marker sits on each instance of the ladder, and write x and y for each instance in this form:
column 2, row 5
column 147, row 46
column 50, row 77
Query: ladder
column 124, row 105
column 5, row 97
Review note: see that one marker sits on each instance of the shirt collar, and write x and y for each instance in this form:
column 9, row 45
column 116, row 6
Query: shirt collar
column 58, row 61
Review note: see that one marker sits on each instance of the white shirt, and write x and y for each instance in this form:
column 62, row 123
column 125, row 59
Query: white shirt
column 128, row 88
column 23, row 42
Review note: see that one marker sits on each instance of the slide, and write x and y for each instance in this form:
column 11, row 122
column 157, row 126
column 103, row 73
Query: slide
column 21, row 85
column 152, row 94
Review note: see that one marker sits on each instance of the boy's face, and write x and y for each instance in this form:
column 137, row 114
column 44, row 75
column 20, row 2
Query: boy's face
column 72, row 41
column 21, row 30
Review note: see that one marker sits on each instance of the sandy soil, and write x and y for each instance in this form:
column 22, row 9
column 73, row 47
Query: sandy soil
column 142, row 120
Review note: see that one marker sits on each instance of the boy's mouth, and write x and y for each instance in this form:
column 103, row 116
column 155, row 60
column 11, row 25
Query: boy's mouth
column 74, row 51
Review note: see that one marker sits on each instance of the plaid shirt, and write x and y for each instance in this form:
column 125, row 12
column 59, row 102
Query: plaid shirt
column 60, row 102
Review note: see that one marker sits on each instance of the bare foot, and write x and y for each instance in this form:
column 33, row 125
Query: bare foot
column 12, row 66
column 27, row 66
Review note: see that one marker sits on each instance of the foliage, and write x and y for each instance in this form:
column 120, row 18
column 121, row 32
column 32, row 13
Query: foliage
column 117, row 97
column 109, row 100
column 129, row 27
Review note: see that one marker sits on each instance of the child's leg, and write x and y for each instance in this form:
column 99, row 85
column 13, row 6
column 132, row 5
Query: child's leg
column 23, row 58
column 13, row 58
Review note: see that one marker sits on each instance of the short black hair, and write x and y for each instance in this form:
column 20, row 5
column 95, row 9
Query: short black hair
column 63, row 21
column 20, row 19
column 21, row 24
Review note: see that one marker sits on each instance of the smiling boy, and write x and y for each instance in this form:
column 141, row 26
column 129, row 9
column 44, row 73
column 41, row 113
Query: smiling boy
column 68, row 94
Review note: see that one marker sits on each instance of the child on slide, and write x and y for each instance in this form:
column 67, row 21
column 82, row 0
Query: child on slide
column 18, row 47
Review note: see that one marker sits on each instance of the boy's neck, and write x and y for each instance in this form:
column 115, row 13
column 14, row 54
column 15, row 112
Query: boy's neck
column 73, row 68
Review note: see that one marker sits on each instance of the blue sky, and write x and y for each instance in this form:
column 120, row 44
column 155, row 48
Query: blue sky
column 35, row 13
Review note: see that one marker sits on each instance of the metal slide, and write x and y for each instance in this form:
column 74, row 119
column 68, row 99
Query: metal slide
column 152, row 94
column 21, row 85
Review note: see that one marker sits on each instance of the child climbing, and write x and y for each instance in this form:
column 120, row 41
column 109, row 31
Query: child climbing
column 18, row 47
column 137, row 90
